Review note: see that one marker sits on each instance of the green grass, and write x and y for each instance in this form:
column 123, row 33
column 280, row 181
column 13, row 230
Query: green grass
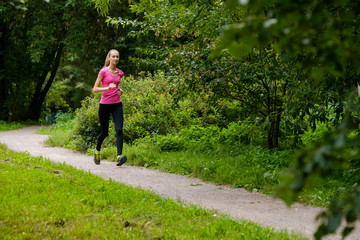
column 251, row 167
column 44, row 200
column 60, row 133
column 44, row 130
column 7, row 126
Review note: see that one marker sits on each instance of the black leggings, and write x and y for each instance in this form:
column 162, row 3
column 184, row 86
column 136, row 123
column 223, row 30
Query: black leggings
column 104, row 115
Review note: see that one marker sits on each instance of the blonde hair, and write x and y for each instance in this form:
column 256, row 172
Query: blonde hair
column 107, row 60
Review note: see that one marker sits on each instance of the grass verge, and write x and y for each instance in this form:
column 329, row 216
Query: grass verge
column 7, row 126
column 44, row 200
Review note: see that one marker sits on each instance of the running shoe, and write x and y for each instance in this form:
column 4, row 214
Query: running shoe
column 96, row 158
column 121, row 160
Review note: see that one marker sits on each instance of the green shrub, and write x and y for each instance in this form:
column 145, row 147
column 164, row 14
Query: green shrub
column 64, row 117
column 150, row 108
column 87, row 125
column 60, row 133
column 7, row 126
column 201, row 139
column 246, row 131
column 311, row 136
column 172, row 143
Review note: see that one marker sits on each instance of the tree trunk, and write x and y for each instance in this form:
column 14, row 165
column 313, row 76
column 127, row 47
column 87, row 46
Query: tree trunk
column 273, row 132
column 34, row 110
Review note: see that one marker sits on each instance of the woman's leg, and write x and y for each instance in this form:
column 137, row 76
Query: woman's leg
column 104, row 115
column 119, row 121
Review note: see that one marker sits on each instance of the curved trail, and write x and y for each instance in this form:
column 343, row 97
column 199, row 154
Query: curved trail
column 235, row 202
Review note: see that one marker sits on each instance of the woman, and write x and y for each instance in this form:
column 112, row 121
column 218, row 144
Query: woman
column 110, row 103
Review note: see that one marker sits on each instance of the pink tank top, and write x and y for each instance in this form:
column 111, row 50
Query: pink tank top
column 110, row 96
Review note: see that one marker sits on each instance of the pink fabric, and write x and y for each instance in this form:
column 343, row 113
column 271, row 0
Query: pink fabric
column 110, row 96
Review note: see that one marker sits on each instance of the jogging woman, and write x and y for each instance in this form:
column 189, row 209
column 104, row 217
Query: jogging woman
column 110, row 103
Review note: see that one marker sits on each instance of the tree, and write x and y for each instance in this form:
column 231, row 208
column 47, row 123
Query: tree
column 5, row 8
column 324, row 38
column 41, row 38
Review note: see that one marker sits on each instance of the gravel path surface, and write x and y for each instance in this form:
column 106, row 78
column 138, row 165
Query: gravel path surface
column 236, row 202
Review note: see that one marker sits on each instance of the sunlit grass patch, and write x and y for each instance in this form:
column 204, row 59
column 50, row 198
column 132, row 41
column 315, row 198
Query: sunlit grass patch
column 45, row 130
column 44, row 200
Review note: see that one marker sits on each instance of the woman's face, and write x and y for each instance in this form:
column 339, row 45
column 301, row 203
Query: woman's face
column 114, row 57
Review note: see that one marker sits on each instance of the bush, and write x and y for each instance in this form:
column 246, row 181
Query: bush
column 87, row 125
column 310, row 137
column 150, row 108
column 246, row 131
column 172, row 143
column 209, row 139
column 60, row 133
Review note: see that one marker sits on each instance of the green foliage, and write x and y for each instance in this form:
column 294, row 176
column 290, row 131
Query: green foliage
column 337, row 154
column 150, row 109
column 87, row 125
column 262, row 82
column 7, row 126
column 60, row 133
column 312, row 136
column 345, row 208
column 298, row 30
column 55, row 98
column 185, row 41
column 328, row 52
column 73, row 82
column 49, row 35
column 43, row 130
column 207, row 139
column 246, row 131
column 41, row 199
column 168, row 25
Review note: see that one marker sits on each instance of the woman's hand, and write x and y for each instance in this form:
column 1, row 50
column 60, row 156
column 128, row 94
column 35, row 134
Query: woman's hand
column 112, row 85
column 120, row 92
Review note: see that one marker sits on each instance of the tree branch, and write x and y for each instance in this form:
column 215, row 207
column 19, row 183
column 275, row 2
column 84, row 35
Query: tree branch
column 228, row 92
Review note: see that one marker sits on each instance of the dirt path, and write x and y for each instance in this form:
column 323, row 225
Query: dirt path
column 237, row 203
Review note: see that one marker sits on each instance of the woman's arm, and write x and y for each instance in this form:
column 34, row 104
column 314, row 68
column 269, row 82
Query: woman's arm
column 96, row 87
